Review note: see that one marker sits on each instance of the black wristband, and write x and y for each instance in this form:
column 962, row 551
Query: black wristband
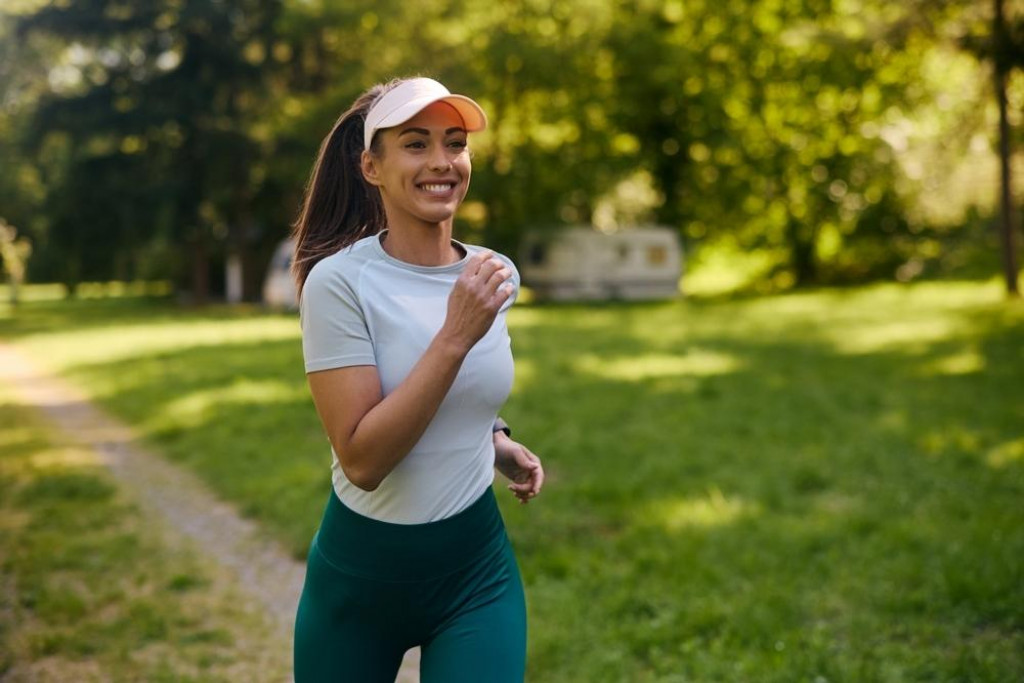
column 501, row 426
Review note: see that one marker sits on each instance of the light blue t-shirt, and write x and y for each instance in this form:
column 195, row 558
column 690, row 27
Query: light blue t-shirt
column 361, row 306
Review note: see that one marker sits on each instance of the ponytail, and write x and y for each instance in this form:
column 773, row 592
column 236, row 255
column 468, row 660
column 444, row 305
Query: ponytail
column 340, row 207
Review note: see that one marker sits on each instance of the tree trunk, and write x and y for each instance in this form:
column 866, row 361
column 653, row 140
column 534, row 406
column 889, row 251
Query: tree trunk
column 200, row 269
column 801, row 252
column 1007, row 227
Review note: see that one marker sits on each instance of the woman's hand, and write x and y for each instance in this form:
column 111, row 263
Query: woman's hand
column 519, row 465
column 477, row 296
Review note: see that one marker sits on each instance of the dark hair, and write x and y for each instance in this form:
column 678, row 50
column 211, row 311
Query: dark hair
column 339, row 207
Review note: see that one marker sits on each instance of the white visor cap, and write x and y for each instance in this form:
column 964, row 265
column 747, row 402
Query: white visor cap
column 407, row 99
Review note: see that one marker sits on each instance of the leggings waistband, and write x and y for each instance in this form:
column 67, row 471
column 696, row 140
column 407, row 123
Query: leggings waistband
column 385, row 551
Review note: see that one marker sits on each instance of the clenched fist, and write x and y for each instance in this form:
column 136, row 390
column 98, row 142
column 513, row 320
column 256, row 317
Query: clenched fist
column 476, row 298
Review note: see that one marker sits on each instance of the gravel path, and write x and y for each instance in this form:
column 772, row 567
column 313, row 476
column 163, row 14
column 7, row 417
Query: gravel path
column 264, row 571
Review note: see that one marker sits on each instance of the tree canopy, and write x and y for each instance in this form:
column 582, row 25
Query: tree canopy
column 842, row 139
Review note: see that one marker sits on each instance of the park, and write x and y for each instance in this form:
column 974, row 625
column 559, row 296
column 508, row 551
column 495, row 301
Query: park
column 807, row 465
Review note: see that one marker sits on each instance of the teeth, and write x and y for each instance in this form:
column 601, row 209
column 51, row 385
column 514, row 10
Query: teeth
column 437, row 188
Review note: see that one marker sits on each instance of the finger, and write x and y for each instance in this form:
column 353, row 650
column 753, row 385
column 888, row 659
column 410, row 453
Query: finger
column 538, row 471
column 489, row 267
column 477, row 260
column 522, row 496
column 503, row 294
column 498, row 276
column 538, row 481
column 528, row 488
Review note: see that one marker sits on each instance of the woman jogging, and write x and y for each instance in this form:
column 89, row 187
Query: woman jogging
column 408, row 360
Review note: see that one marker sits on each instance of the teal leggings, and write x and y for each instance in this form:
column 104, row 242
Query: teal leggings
column 375, row 589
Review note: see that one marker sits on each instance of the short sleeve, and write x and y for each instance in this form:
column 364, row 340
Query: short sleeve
column 334, row 331
column 514, row 279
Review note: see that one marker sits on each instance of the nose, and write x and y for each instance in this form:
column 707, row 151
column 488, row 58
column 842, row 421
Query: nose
column 439, row 160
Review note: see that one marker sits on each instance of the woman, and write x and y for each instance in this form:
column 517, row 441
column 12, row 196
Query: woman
column 408, row 360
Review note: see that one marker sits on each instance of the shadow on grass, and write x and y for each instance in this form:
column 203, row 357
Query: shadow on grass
column 51, row 316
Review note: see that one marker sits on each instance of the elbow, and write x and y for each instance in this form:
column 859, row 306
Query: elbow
column 361, row 478
column 366, row 484
column 355, row 470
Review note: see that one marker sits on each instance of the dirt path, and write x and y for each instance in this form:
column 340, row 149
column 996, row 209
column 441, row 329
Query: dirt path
column 264, row 571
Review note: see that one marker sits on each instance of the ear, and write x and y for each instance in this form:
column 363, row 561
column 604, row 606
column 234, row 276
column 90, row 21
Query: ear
column 368, row 167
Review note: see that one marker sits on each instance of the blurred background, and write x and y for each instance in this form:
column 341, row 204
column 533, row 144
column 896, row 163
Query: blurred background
column 787, row 142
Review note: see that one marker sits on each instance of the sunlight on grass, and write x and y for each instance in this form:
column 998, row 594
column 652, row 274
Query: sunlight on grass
column 54, row 291
column 102, row 290
column 883, row 336
column 124, row 342
column 950, row 438
column 962, row 362
column 65, row 458
column 520, row 317
column 41, row 292
column 1006, row 454
column 711, row 510
column 696, row 362
column 724, row 267
column 199, row 406
column 595, row 317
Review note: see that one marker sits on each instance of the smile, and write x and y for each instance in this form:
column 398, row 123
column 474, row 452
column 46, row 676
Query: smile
column 437, row 188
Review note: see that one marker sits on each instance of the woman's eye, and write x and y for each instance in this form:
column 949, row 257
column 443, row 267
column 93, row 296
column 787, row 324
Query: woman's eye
column 415, row 145
column 458, row 144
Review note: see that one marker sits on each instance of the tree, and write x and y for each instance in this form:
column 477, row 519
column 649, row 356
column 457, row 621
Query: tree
column 1007, row 52
column 159, row 92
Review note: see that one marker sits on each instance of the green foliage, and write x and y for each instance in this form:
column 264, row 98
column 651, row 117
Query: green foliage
column 810, row 486
column 148, row 117
column 819, row 132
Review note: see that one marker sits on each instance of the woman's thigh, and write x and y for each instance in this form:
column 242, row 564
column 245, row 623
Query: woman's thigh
column 338, row 637
column 486, row 639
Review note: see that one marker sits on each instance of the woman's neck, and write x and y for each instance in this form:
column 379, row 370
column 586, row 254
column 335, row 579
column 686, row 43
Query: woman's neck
column 421, row 245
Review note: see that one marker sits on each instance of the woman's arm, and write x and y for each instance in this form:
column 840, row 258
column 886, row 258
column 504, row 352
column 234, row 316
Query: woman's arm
column 519, row 465
column 372, row 433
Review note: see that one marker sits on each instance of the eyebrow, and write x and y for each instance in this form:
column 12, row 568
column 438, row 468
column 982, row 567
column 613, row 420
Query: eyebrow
column 424, row 131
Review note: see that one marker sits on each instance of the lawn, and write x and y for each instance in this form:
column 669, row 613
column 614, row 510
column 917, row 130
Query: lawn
column 90, row 593
column 821, row 486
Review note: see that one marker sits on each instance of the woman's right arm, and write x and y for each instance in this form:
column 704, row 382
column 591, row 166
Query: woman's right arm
column 372, row 433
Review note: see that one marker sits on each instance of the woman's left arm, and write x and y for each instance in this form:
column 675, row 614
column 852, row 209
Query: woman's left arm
column 519, row 465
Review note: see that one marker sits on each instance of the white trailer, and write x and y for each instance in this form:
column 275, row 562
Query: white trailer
column 582, row 263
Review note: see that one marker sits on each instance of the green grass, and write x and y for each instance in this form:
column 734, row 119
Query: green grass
column 88, row 593
column 820, row 486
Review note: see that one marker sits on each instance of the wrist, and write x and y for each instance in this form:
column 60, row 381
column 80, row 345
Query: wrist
column 451, row 344
column 500, row 427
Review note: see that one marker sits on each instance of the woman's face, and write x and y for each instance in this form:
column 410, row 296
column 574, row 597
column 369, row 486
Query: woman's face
column 423, row 169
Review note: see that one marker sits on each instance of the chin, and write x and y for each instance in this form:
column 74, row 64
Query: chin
column 439, row 214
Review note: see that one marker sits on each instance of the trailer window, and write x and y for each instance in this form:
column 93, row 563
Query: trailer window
column 657, row 255
column 537, row 254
